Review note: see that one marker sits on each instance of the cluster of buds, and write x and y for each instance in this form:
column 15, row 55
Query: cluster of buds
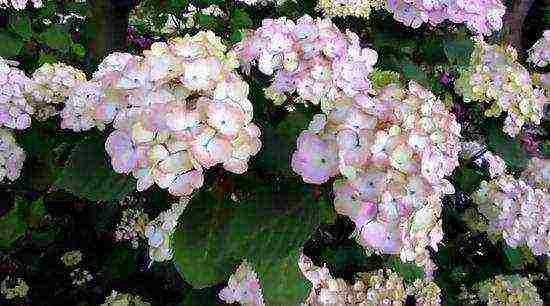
column 342, row 8
column 14, row 288
column 243, row 287
column 131, row 226
column 311, row 57
column 19, row 4
column 539, row 54
column 179, row 109
column 381, row 287
column 509, row 290
column 71, row 258
column 518, row 211
column 11, row 156
column 15, row 112
column 393, row 151
column 159, row 231
column 124, row 299
column 495, row 76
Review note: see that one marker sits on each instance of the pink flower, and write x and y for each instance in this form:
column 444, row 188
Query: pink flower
column 315, row 159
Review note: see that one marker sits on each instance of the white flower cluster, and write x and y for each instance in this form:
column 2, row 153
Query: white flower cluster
column 11, row 156
column 158, row 232
column 310, row 57
column 12, row 289
column 178, row 110
column 381, row 287
column 342, row 8
column 124, row 299
column 509, row 290
column 15, row 112
column 243, row 287
column 517, row 210
column 19, row 4
column 187, row 18
column 539, row 54
column 495, row 76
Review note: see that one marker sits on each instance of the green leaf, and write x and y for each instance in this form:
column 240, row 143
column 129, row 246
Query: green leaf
column 267, row 229
column 236, row 36
column 12, row 224
column 412, row 71
column 508, row 148
column 11, row 45
column 78, row 50
column 514, row 256
column 21, row 25
column 46, row 58
column 88, row 174
column 458, row 50
column 56, row 37
column 240, row 19
column 467, row 179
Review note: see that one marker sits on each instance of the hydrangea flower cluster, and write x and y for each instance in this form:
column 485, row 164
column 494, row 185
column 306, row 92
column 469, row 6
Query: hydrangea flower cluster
column 179, row 109
column 131, row 226
column 52, row 83
column 342, row 8
column 243, row 287
column 495, row 76
column 537, row 173
column 481, row 16
column 509, row 290
column 71, row 258
column 264, row 2
column 15, row 112
column 311, row 57
column 12, row 289
column 539, row 54
column 158, row 232
column 124, row 299
column 518, row 211
column 11, row 156
column 393, row 151
column 19, row 4
column 381, row 287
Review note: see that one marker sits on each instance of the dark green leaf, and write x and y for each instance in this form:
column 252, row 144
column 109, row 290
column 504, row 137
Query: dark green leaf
column 11, row 45
column 458, row 51
column 21, row 25
column 12, row 224
column 56, row 37
column 88, row 174
column 240, row 19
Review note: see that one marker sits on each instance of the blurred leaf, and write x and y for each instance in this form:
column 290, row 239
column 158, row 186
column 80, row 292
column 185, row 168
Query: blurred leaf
column 214, row 237
column 12, row 224
column 36, row 213
column 240, row 19
column 458, row 50
column 508, row 148
column 88, row 174
column 10, row 45
column 46, row 58
column 236, row 36
column 412, row 71
column 408, row 271
column 515, row 257
column 21, row 25
column 78, row 50
column 56, row 37
column 467, row 179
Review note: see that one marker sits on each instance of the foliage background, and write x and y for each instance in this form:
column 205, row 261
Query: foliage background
column 68, row 196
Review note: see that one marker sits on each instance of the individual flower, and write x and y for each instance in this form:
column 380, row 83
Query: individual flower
column 15, row 87
column 124, row 299
column 71, row 258
column 509, row 290
column 496, row 78
column 243, row 287
column 315, row 159
column 14, row 288
column 539, row 54
column 11, row 156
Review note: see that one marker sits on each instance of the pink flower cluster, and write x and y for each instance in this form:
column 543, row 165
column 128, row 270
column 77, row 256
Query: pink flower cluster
column 539, row 54
column 179, row 109
column 393, row 150
column 15, row 112
column 496, row 76
column 519, row 211
column 159, row 231
column 19, row 4
column 537, row 173
column 11, row 156
column 381, row 287
column 481, row 16
column 310, row 57
column 243, row 287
